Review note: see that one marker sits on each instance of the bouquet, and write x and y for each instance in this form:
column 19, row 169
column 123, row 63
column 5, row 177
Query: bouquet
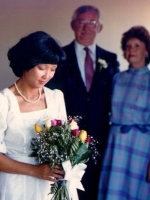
column 62, row 143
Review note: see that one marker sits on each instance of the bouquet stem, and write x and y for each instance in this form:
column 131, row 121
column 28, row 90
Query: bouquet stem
column 61, row 191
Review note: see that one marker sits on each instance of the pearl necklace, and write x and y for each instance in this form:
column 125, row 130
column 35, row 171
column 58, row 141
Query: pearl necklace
column 34, row 101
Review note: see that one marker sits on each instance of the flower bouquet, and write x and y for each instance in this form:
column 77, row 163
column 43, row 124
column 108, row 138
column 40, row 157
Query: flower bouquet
column 62, row 143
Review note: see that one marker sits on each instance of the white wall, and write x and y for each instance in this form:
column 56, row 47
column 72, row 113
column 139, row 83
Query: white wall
column 21, row 17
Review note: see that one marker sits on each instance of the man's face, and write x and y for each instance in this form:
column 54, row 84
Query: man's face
column 85, row 27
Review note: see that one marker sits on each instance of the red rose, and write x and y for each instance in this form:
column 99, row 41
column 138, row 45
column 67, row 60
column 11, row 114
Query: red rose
column 59, row 122
column 75, row 132
column 88, row 139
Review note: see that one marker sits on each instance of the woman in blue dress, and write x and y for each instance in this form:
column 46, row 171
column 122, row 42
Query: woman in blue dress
column 124, row 174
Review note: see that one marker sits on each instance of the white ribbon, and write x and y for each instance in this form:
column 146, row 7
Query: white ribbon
column 73, row 177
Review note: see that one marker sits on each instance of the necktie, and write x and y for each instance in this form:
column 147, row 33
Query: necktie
column 89, row 71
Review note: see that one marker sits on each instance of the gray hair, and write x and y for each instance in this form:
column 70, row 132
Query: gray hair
column 83, row 9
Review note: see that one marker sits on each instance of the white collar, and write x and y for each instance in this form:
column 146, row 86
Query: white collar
column 80, row 47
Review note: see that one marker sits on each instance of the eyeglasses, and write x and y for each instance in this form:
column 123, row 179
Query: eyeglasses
column 90, row 24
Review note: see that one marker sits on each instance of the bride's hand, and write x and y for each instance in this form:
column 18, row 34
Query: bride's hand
column 51, row 174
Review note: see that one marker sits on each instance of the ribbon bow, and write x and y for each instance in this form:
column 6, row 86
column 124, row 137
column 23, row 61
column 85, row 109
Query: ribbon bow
column 142, row 128
column 73, row 177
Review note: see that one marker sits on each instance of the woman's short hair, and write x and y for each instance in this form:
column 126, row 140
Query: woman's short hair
column 139, row 32
column 36, row 48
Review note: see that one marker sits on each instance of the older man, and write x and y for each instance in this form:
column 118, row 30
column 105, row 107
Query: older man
column 86, row 79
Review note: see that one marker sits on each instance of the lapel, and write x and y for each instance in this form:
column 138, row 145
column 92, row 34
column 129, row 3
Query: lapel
column 74, row 73
column 99, row 55
column 74, row 77
column 99, row 75
column 98, row 71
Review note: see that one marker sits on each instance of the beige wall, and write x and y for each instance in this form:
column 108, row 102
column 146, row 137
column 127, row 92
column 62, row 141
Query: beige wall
column 21, row 17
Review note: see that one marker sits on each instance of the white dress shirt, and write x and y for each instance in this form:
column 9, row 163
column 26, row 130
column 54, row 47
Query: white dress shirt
column 80, row 53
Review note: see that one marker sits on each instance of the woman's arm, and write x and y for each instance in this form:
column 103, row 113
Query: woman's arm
column 39, row 171
column 9, row 165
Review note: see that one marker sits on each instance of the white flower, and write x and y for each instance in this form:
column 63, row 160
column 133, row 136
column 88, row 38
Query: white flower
column 103, row 63
column 148, row 66
column 47, row 123
column 73, row 125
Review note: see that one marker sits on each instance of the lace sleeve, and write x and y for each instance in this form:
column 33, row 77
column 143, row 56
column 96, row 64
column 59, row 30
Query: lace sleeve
column 3, row 124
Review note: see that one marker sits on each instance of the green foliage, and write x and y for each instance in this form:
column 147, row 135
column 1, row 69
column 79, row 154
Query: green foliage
column 82, row 154
column 55, row 145
column 58, row 145
column 60, row 191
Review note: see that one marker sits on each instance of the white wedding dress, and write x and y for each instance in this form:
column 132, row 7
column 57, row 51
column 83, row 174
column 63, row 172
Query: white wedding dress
column 16, row 132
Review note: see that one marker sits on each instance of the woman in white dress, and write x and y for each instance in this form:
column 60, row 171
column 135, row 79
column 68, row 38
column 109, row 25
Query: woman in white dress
column 34, row 60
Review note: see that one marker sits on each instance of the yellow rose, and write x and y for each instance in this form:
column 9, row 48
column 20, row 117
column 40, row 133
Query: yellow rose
column 37, row 128
column 83, row 135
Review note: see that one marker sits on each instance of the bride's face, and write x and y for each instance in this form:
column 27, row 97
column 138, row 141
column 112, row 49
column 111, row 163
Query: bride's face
column 40, row 74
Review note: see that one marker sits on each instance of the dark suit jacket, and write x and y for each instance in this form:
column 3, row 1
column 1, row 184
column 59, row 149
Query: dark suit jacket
column 92, row 106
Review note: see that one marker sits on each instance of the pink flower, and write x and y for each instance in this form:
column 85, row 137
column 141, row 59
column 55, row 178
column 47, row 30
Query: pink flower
column 53, row 122
column 56, row 122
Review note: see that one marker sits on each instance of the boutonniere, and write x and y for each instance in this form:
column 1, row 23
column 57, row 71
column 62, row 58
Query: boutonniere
column 103, row 63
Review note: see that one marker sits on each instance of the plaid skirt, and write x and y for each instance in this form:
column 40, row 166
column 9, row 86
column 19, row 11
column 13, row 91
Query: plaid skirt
column 124, row 168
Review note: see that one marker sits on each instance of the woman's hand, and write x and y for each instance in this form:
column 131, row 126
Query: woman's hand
column 50, row 174
column 39, row 171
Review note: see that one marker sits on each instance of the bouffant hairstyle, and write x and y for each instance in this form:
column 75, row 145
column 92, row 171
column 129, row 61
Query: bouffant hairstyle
column 140, row 33
column 36, row 48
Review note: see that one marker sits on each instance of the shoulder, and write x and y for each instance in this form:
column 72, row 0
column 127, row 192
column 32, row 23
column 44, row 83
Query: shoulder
column 68, row 47
column 53, row 93
column 109, row 57
column 105, row 53
column 121, row 75
column 5, row 100
column 4, row 95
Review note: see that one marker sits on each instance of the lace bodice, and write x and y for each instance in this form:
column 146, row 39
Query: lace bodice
column 17, row 129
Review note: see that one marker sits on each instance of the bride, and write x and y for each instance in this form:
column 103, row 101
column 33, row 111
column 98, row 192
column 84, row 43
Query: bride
column 34, row 60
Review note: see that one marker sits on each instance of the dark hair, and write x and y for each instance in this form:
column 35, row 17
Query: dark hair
column 83, row 9
column 140, row 33
column 36, row 48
